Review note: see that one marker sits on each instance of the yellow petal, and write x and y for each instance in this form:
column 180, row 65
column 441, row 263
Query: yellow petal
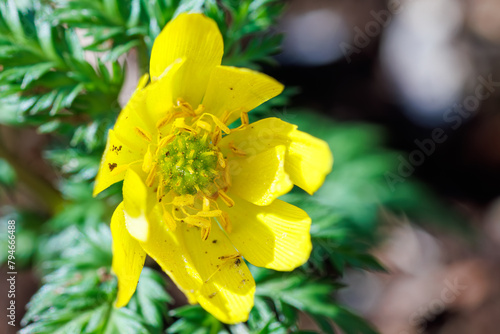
column 159, row 93
column 168, row 249
column 138, row 201
column 234, row 90
column 206, row 271
column 115, row 161
column 134, row 124
column 128, row 258
column 228, row 287
column 308, row 159
column 260, row 178
column 274, row 236
column 196, row 39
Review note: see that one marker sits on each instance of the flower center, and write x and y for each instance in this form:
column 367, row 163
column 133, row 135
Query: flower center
column 190, row 170
column 188, row 164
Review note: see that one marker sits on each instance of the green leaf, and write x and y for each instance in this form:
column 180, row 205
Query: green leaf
column 35, row 72
column 79, row 290
column 314, row 297
column 7, row 174
column 189, row 6
column 120, row 50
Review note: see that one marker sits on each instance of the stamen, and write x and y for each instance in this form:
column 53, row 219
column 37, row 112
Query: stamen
column 227, row 177
column 184, row 211
column 174, row 210
column 206, row 204
column 204, row 125
column 197, row 221
column 225, row 116
column 237, row 151
column 217, row 122
column 148, row 160
column 244, row 118
column 225, row 198
column 205, row 232
column 212, row 213
column 183, row 200
column 166, row 140
column 200, row 109
column 165, row 120
column 168, row 220
column 222, row 161
column 185, row 107
column 206, row 154
column 226, row 222
column 142, row 133
column 151, row 176
column 159, row 193
column 181, row 124
column 217, row 136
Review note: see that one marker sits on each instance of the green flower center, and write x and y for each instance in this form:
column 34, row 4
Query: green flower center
column 188, row 164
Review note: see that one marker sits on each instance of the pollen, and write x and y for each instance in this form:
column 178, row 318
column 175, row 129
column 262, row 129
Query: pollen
column 188, row 164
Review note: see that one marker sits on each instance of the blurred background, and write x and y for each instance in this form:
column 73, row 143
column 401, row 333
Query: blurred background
column 427, row 74
column 407, row 93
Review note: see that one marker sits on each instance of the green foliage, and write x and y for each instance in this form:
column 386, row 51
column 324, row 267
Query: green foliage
column 248, row 39
column 7, row 174
column 280, row 298
column 346, row 210
column 291, row 293
column 79, row 290
column 44, row 69
column 115, row 27
column 80, row 209
column 27, row 231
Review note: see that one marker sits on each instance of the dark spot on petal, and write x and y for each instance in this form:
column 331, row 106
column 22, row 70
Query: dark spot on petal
column 212, row 295
column 237, row 262
column 214, row 242
column 112, row 166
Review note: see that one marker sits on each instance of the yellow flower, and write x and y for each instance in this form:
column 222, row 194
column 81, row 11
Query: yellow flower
column 197, row 196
